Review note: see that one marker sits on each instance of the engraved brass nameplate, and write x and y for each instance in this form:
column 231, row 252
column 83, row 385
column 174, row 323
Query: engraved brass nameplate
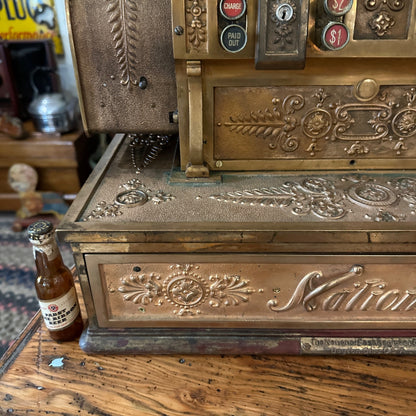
column 358, row 345
column 138, row 290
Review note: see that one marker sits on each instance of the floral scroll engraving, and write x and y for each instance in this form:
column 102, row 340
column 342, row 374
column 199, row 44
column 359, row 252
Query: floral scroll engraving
column 317, row 196
column 382, row 19
column 381, row 23
column 362, row 128
column 327, row 199
column 196, row 23
column 122, row 19
column 186, row 290
column 133, row 193
column 404, row 122
column 140, row 289
column 285, row 34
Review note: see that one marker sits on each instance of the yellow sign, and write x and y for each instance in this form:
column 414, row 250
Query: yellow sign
column 29, row 20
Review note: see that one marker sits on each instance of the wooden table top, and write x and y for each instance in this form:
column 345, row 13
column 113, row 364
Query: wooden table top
column 60, row 379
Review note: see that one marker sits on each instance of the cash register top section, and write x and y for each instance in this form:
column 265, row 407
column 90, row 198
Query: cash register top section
column 155, row 201
column 326, row 28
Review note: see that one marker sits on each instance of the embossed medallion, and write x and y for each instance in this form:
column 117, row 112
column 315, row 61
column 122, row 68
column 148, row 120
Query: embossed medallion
column 371, row 194
column 134, row 192
column 185, row 289
column 382, row 19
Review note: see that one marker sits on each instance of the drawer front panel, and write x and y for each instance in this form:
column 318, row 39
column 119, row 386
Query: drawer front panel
column 253, row 291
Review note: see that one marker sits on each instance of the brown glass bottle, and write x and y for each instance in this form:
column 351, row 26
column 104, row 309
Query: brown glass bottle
column 54, row 285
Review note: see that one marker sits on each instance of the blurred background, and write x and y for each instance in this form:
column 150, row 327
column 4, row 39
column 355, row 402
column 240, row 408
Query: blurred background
column 45, row 157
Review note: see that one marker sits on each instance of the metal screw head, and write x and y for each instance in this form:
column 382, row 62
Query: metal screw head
column 179, row 30
column 143, row 83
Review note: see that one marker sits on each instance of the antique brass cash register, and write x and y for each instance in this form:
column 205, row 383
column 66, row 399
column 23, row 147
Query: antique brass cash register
column 259, row 194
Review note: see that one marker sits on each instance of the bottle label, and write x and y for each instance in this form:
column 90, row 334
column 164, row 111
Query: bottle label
column 61, row 312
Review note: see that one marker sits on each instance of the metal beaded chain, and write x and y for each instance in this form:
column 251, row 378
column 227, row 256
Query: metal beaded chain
column 135, row 192
column 150, row 144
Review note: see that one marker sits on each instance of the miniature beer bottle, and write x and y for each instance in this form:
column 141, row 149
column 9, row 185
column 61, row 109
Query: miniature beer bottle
column 54, row 285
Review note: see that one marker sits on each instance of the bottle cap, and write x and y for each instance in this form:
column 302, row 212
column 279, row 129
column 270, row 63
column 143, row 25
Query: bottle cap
column 40, row 231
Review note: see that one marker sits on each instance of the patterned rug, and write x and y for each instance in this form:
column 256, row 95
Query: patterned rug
column 18, row 302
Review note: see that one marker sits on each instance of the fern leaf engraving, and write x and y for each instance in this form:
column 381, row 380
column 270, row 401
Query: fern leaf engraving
column 262, row 124
column 323, row 202
column 122, row 19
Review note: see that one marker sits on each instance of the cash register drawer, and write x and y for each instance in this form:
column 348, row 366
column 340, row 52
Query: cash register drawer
column 253, row 290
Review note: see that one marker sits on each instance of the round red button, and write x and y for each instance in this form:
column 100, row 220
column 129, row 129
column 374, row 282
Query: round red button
column 233, row 9
column 335, row 36
column 337, row 7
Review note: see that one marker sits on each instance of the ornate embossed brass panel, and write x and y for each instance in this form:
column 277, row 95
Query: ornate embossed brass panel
column 258, row 291
column 282, row 29
column 304, row 122
column 377, row 19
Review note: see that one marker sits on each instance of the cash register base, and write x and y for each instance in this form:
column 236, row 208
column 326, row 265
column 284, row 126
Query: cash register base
column 286, row 263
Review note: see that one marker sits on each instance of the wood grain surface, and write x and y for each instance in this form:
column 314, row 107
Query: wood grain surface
column 203, row 385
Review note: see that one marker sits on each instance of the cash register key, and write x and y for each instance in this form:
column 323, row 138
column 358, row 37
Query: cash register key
column 337, row 7
column 335, row 36
column 366, row 89
column 233, row 9
column 233, row 38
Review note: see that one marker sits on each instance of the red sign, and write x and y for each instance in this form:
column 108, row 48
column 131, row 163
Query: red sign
column 336, row 36
column 338, row 7
column 233, row 9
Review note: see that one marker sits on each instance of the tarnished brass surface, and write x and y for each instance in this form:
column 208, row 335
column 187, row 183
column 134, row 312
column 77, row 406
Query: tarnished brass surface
column 132, row 290
column 303, row 239
column 308, row 122
column 340, row 109
column 124, row 64
column 258, row 200
column 282, row 32
column 382, row 20
column 125, row 68
column 237, row 258
column 358, row 345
